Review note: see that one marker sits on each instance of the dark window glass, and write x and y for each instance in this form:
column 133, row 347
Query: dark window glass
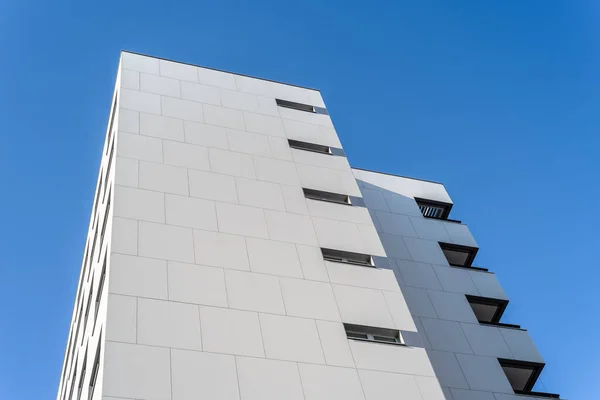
column 112, row 120
column 94, row 371
column 458, row 256
column 373, row 334
column 295, row 106
column 347, row 257
column 326, row 196
column 104, row 223
column 486, row 309
column 384, row 339
column 433, row 209
column 317, row 148
column 99, row 293
column 356, row 335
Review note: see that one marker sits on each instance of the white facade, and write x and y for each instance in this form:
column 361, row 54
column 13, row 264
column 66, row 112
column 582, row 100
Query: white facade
column 204, row 275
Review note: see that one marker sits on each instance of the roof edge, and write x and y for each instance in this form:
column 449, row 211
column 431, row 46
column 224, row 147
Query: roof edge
column 221, row 70
column 396, row 175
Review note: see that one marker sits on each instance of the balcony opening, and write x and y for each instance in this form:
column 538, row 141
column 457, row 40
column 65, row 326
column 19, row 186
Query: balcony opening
column 459, row 256
column 295, row 106
column 326, row 196
column 522, row 376
column 373, row 334
column 347, row 257
column 434, row 209
column 487, row 310
column 306, row 146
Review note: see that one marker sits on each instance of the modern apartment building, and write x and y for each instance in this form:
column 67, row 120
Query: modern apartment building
column 234, row 254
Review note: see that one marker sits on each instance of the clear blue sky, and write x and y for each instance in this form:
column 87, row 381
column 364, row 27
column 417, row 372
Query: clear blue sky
column 499, row 100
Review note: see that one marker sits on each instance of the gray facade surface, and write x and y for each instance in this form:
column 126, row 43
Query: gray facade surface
column 233, row 253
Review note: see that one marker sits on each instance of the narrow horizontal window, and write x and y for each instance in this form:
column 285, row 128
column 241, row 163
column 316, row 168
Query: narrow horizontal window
column 99, row 293
column 388, row 339
column 295, row 106
column 357, row 335
column 95, row 239
column 110, row 159
column 66, row 362
column 112, row 120
column 87, row 310
column 317, row 148
column 95, row 369
column 82, row 376
column 104, row 223
column 85, row 258
column 98, row 191
column 487, row 310
column 326, row 196
column 76, row 337
column 459, row 256
column 73, row 379
column 85, row 264
column 347, row 257
column 373, row 334
column 433, row 209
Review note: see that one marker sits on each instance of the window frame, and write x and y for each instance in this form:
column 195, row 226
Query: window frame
column 308, row 146
column 82, row 376
column 296, row 106
column 87, row 309
column 95, row 369
column 329, row 197
column 76, row 337
column 104, row 223
column 99, row 189
column 94, row 242
column 357, row 332
column 99, row 291
column 535, row 367
column 113, row 114
column 73, row 379
column 446, row 207
column 108, row 170
column 341, row 257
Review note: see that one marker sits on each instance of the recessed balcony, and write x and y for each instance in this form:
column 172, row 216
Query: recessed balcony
column 522, row 376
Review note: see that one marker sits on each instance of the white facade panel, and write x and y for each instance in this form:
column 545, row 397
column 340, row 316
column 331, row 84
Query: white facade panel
column 291, row 339
column 203, row 375
column 268, row 379
column 207, row 280
column 230, row 331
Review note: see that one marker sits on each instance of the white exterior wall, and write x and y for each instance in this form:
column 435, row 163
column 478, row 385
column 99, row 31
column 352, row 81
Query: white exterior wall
column 85, row 343
column 215, row 284
column 464, row 354
column 216, row 287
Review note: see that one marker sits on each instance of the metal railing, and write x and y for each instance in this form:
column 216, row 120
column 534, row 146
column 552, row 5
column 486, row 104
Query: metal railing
column 430, row 211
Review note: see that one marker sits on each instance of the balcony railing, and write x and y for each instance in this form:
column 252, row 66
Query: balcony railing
column 538, row 394
column 431, row 211
column 502, row 325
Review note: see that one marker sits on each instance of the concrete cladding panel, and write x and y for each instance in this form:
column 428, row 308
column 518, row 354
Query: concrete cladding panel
column 217, row 281
column 203, row 375
column 463, row 352
column 216, row 229
column 407, row 187
column 268, row 379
